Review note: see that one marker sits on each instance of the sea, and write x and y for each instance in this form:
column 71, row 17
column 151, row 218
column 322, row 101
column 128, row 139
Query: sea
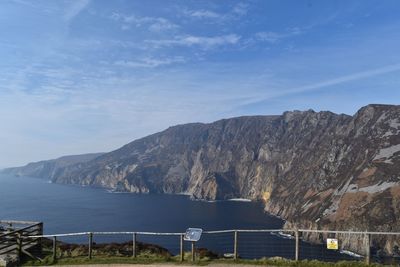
column 72, row 209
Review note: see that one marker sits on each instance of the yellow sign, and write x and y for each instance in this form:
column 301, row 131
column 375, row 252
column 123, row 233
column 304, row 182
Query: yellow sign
column 332, row 243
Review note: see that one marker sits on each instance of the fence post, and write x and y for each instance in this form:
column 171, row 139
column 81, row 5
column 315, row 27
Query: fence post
column 134, row 245
column 193, row 251
column 19, row 244
column 181, row 248
column 296, row 233
column 90, row 245
column 40, row 245
column 235, row 246
column 54, row 248
column 367, row 249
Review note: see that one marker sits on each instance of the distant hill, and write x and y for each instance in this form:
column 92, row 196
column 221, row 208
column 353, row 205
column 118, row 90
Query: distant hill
column 48, row 169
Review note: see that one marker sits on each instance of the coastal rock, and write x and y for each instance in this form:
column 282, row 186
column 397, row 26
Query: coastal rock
column 317, row 170
column 47, row 169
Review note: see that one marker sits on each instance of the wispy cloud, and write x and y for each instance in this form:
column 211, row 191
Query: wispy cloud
column 25, row 3
column 149, row 62
column 202, row 14
column 347, row 78
column 274, row 37
column 323, row 84
column 75, row 8
column 155, row 24
column 270, row 37
column 239, row 10
column 201, row 41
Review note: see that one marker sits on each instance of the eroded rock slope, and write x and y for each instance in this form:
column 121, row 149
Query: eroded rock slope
column 314, row 169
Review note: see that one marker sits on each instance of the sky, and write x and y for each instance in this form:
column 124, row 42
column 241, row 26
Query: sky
column 84, row 76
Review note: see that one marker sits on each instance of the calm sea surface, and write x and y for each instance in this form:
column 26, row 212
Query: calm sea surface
column 65, row 209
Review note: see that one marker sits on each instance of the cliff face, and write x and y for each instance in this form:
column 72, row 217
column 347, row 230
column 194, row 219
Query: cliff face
column 316, row 170
column 47, row 169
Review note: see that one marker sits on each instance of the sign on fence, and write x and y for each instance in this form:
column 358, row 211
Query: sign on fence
column 193, row 234
column 332, row 243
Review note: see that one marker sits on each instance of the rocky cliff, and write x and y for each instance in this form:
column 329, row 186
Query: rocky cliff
column 48, row 169
column 314, row 169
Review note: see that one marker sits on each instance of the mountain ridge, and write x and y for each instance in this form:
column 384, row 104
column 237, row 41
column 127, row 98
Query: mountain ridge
column 46, row 169
column 316, row 170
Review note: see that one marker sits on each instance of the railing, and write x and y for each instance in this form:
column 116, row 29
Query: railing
column 14, row 237
column 380, row 247
column 288, row 244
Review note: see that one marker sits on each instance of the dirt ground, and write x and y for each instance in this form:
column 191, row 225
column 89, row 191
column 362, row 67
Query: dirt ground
column 160, row 265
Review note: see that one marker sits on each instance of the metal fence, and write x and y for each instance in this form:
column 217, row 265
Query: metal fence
column 377, row 247
column 289, row 244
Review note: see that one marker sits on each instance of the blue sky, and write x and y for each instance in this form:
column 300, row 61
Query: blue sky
column 87, row 76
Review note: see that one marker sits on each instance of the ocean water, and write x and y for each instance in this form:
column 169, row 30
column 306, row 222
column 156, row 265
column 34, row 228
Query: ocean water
column 66, row 209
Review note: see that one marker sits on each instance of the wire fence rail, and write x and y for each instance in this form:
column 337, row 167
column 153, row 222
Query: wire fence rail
column 292, row 244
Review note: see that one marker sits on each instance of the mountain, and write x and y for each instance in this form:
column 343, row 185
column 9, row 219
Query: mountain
column 316, row 170
column 48, row 169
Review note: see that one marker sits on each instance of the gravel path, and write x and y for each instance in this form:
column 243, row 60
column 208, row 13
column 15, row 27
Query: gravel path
column 161, row 265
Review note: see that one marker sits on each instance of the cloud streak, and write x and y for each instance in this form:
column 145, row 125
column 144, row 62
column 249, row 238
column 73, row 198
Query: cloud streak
column 74, row 9
column 327, row 83
column 201, row 41
column 274, row 37
column 149, row 62
column 239, row 10
column 202, row 14
column 155, row 24
column 347, row 78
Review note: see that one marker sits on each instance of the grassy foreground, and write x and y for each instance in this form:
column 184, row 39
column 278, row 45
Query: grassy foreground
column 115, row 253
column 152, row 259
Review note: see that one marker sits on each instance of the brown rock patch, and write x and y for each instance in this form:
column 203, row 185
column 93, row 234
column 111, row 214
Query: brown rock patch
column 324, row 194
column 395, row 191
column 309, row 193
column 363, row 180
column 352, row 203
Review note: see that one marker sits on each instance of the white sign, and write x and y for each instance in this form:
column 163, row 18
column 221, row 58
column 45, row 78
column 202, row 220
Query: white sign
column 193, row 234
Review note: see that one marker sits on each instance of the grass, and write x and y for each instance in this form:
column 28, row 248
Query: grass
column 150, row 254
column 150, row 258
column 144, row 257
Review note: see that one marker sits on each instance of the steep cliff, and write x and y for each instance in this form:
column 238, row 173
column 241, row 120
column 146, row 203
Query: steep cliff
column 47, row 169
column 314, row 169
